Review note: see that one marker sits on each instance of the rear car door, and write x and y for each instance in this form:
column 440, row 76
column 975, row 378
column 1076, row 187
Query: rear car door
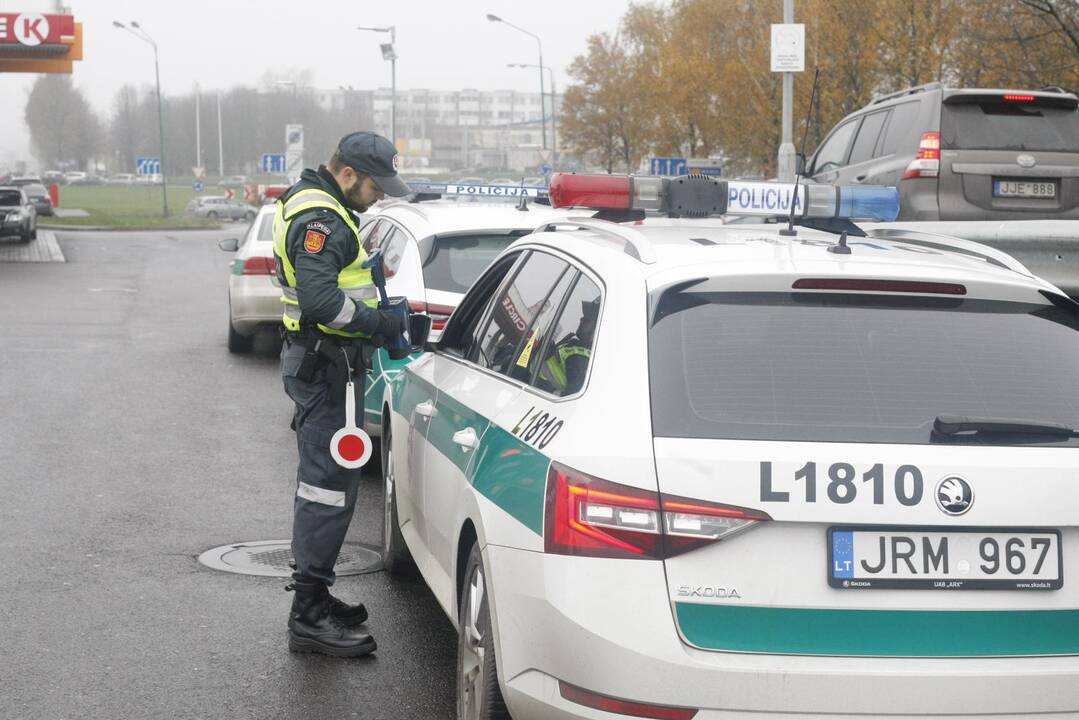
column 1009, row 156
column 865, row 149
column 473, row 396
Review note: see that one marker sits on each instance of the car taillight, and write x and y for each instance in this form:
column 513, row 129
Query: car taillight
column 440, row 314
column 587, row 516
column 926, row 164
column 623, row 707
column 259, row 266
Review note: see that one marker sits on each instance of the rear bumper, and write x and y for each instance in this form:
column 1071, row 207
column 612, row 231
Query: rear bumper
column 255, row 302
column 608, row 626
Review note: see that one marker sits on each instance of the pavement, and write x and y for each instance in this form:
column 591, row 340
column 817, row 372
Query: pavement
column 44, row 249
column 130, row 442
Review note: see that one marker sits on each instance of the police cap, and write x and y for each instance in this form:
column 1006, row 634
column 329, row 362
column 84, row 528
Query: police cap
column 375, row 155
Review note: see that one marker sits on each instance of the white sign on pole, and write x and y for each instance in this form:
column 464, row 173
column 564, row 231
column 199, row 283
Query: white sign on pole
column 788, row 47
column 293, row 152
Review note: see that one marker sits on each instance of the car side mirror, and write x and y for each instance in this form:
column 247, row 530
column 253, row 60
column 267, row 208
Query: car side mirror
column 800, row 164
column 419, row 329
column 229, row 245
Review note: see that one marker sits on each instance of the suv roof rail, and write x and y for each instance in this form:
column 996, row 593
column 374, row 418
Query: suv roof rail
column 1052, row 88
column 636, row 244
column 954, row 244
column 908, row 91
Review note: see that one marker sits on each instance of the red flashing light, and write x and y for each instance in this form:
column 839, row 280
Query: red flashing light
column 623, row 707
column 259, row 265
column 1019, row 98
column 593, row 191
column 926, row 164
column 893, row 286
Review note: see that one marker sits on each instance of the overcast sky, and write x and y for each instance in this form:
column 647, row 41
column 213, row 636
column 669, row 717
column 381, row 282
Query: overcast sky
column 447, row 44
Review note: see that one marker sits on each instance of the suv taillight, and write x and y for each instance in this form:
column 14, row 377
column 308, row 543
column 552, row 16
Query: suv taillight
column 440, row 314
column 926, row 164
column 589, row 517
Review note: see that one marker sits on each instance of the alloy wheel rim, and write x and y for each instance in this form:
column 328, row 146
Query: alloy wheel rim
column 471, row 677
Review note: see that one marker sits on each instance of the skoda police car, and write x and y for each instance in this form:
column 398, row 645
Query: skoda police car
column 800, row 472
column 433, row 249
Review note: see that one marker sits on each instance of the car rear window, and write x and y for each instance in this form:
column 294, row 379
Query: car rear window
column 10, row 197
column 855, row 368
column 992, row 125
column 453, row 262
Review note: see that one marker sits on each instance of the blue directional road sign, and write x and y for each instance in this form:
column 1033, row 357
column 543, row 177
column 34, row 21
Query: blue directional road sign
column 274, row 163
column 148, row 166
column 545, row 169
column 197, row 186
column 668, row 166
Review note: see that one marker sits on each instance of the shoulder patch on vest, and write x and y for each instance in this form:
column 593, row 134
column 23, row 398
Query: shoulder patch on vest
column 320, row 227
column 314, row 241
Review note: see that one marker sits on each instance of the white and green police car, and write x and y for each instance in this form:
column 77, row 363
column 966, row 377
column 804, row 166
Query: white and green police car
column 433, row 249
column 808, row 475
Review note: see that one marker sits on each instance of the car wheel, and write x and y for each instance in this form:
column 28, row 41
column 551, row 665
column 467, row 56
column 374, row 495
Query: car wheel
column 396, row 559
column 211, row 215
column 33, row 233
column 249, row 216
column 238, row 343
column 479, row 696
column 26, row 235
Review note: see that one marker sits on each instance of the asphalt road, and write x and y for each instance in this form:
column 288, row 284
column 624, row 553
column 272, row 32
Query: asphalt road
column 130, row 442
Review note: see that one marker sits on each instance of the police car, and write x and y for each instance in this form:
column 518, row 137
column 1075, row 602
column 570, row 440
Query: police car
column 433, row 248
column 804, row 472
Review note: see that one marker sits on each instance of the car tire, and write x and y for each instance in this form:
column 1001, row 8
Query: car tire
column 211, row 215
column 26, row 236
column 396, row 558
column 479, row 696
column 249, row 216
column 239, row 344
column 33, row 233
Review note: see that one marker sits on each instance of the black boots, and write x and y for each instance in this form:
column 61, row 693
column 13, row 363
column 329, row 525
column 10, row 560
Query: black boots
column 314, row 626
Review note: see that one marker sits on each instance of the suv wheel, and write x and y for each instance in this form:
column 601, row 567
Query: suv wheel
column 212, row 215
column 249, row 216
column 478, row 695
column 396, row 559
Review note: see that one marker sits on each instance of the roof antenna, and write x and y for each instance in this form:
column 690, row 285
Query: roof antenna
column 841, row 248
column 522, row 204
column 789, row 230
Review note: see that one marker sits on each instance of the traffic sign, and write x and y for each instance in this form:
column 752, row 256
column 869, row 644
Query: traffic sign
column 273, row 163
column 545, row 169
column 788, row 47
column 148, row 166
column 668, row 166
column 704, row 166
column 198, row 186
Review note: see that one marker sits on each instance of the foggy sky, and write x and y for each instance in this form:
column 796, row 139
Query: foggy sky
column 218, row 44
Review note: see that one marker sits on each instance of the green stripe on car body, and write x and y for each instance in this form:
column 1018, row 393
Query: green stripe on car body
column 879, row 633
column 505, row 470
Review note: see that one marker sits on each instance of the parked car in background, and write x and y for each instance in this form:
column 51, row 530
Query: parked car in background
column 21, row 180
column 75, row 177
column 233, row 181
column 218, row 207
column 121, row 179
column 151, row 179
column 254, row 294
column 51, row 177
column 39, row 198
column 17, row 214
column 962, row 154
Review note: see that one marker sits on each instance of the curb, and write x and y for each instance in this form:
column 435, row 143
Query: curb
column 106, row 228
column 43, row 249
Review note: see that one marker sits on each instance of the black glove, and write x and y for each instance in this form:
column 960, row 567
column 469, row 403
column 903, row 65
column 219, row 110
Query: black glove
column 389, row 324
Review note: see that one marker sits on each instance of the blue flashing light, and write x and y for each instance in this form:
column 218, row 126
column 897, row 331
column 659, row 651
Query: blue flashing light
column 868, row 203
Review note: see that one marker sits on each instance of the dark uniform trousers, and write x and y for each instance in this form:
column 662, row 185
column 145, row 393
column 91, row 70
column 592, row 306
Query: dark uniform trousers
column 325, row 491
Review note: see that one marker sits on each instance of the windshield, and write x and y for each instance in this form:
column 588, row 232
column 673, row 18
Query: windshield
column 10, row 197
column 1009, row 126
column 453, row 262
column 854, row 368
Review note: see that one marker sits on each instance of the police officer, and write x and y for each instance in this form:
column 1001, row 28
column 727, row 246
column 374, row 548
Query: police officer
column 330, row 314
column 567, row 363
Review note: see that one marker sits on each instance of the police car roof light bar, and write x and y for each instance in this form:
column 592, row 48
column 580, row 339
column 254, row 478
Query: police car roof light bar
column 636, row 244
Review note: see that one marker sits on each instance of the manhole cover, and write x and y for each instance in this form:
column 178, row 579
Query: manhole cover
column 271, row 558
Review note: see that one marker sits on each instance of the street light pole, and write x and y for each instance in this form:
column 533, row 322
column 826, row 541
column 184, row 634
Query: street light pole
column 389, row 53
column 554, row 112
column 145, row 37
column 543, row 90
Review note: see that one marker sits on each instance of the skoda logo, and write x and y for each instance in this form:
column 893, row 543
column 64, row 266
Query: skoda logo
column 954, row 495
column 1026, row 161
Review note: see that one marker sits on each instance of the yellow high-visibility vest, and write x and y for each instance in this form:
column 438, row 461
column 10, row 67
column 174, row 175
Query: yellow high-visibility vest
column 354, row 279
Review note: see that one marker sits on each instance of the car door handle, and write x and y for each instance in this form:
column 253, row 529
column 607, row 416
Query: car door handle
column 861, row 177
column 466, row 439
column 425, row 409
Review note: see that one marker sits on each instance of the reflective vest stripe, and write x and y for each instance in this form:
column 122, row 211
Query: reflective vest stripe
column 556, row 364
column 355, row 281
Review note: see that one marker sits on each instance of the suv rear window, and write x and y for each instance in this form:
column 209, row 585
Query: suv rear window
column 453, row 262
column 989, row 125
column 838, row 367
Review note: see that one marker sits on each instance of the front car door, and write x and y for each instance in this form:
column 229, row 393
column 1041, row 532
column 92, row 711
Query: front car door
column 832, row 155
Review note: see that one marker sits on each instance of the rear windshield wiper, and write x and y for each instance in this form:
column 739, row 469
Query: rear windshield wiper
column 948, row 427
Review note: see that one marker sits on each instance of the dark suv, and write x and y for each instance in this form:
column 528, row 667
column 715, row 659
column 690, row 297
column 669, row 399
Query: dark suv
column 962, row 154
column 17, row 214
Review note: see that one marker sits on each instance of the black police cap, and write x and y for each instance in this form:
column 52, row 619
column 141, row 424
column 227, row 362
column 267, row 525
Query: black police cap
column 375, row 155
